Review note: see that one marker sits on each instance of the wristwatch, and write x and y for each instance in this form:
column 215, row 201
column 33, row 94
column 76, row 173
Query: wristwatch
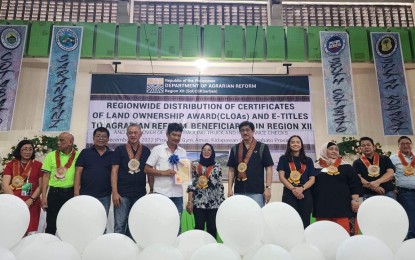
column 268, row 187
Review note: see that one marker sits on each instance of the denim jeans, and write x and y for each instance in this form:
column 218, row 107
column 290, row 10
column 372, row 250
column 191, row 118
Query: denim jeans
column 106, row 202
column 121, row 215
column 390, row 194
column 259, row 198
column 407, row 199
column 178, row 202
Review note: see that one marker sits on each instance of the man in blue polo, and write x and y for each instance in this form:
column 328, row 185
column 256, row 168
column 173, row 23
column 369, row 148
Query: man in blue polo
column 93, row 169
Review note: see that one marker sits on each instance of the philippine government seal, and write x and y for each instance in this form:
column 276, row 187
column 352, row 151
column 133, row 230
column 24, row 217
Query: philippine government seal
column 67, row 39
column 10, row 38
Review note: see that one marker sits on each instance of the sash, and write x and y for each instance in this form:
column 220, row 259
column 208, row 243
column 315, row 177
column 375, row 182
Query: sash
column 20, row 177
column 408, row 168
column 203, row 177
column 295, row 175
column 332, row 169
column 373, row 169
column 61, row 171
column 243, row 164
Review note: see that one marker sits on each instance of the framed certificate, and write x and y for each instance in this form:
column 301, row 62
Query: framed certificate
column 183, row 173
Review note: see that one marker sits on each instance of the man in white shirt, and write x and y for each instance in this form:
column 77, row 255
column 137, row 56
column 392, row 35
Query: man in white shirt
column 162, row 164
column 404, row 162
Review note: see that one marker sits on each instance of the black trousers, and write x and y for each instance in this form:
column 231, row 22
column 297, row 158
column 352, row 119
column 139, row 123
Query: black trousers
column 303, row 206
column 56, row 198
column 207, row 216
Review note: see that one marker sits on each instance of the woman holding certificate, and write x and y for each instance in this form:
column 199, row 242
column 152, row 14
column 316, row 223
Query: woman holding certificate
column 336, row 191
column 206, row 192
column 296, row 172
column 23, row 177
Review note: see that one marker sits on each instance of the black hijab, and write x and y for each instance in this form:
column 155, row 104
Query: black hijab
column 209, row 161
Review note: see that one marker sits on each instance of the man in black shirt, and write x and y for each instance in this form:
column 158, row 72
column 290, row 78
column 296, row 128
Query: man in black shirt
column 375, row 171
column 249, row 158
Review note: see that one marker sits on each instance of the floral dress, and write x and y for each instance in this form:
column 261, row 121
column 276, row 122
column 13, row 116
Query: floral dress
column 213, row 195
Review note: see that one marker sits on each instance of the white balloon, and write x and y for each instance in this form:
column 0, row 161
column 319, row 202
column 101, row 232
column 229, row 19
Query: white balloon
column 33, row 240
column 283, row 225
column 14, row 220
column 240, row 223
column 154, row 219
column 406, row 250
column 6, row 254
column 326, row 236
column 50, row 251
column 385, row 219
column 158, row 251
column 215, row 252
column 307, row 251
column 81, row 220
column 268, row 252
column 189, row 241
column 111, row 246
column 363, row 247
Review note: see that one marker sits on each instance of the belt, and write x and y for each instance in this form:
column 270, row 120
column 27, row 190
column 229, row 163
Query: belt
column 57, row 189
column 404, row 189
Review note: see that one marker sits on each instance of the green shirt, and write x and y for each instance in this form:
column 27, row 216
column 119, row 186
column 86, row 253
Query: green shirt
column 49, row 166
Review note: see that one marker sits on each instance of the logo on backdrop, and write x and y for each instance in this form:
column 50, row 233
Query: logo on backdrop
column 386, row 45
column 10, row 38
column 67, row 39
column 155, row 85
column 334, row 45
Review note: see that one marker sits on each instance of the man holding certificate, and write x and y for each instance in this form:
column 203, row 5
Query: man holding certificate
column 128, row 180
column 168, row 164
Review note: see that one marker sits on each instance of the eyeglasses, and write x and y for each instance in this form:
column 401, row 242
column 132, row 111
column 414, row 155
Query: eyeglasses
column 405, row 143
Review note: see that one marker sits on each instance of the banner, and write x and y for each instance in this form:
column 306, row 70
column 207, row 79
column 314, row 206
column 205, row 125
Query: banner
column 390, row 73
column 210, row 109
column 12, row 38
column 63, row 67
column 338, row 83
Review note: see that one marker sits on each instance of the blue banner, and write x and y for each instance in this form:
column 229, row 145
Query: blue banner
column 12, row 42
column 63, row 67
column 338, row 83
column 390, row 73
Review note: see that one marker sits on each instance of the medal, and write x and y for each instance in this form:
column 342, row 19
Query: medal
column 19, row 177
column 332, row 168
column 243, row 164
column 409, row 170
column 295, row 175
column 134, row 163
column 17, row 182
column 374, row 171
column 133, row 166
column 202, row 182
column 242, row 167
column 61, row 170
column 60, row 173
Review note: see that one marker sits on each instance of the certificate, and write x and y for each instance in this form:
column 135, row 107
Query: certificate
column 183, row 175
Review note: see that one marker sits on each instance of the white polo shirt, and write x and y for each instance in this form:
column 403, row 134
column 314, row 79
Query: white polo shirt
column 159, row 160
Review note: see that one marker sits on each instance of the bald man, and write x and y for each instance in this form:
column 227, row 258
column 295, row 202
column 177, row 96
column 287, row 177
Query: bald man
column 59, row 174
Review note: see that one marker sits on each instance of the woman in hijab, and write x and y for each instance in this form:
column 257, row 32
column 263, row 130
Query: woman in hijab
column 336, row 190
column 206, row 192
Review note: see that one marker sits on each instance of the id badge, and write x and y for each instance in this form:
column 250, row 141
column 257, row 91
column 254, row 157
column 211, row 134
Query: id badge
column 27, row 189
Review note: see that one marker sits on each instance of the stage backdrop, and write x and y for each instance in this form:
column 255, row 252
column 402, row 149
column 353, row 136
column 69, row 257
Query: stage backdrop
column 210, row 108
